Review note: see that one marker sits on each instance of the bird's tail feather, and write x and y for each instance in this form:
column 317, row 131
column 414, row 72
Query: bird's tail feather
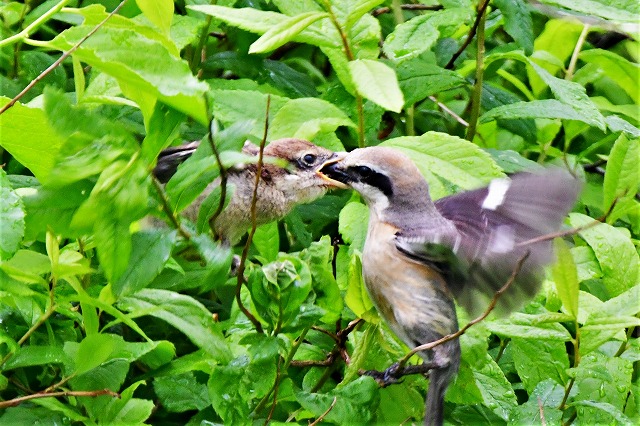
column 434, row 405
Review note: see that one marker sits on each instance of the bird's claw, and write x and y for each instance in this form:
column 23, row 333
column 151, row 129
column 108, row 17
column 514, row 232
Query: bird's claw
column 390, row 376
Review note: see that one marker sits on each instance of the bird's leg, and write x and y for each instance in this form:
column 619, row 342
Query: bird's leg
column 393, row 374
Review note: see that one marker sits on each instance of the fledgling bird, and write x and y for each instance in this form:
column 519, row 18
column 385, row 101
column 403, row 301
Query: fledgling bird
column 419, row 254
column 280, row 188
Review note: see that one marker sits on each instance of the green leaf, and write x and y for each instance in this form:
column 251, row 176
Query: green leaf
column 93, row 351
column 307, row 117
column 357, row 9
column 621, row 11
column 354, row 402
column 604, row 410
column 259, row 22
column 445, row 158
column 184, row 313
column 267, row 240
column 603, row 379
column 160, row 12
column 525, row 326
column 285, row 32
column 411, row 38
column 28, row 356
column 545, row 108
column 626, row 74
column 29, row 137
column 12, row 215
column 357, row 298
column 565, row 276
column 497, row 393
column 319, row 256
column 615, row 252
column 543, row 403
column 419, row 80
column 181, row 392
column 141, row 63
column 539, row 360
column 622, row 177
column 377, row 82
column 352, row 224
column 518, row 23
column 149, row 253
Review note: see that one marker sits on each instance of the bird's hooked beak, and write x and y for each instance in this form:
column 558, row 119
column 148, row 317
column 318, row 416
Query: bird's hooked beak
column 333, row 172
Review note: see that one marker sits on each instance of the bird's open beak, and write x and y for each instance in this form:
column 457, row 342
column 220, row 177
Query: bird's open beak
column 331, row 171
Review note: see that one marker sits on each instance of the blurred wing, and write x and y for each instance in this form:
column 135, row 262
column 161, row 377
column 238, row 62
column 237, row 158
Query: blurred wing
column 170, row 158
column 497, row 227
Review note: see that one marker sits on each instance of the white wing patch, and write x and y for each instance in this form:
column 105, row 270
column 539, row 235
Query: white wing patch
column 503, row 239
column 497, row 190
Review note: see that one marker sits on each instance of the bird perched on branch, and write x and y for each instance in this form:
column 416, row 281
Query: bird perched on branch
column 280, row 188
column 420, row 254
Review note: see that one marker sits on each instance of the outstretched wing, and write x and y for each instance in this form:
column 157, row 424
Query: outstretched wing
column 496, row 227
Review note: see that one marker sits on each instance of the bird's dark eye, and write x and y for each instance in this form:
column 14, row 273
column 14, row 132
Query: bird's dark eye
column 309, row 159
column 363, row 171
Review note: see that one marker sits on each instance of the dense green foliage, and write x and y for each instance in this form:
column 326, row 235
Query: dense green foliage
column 89, row 301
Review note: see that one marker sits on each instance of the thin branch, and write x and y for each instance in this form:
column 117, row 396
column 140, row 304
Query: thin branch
column 166, row 207
column 449, row 111
column 413, row 7
column 17, row 401
column 576, row 51
column 275, row 393
column 254, row 201
column 476, row 96
column 34, row 25
column 64, row 56
column 224, row 176
column 472, row 33
column 323, row 415
column 32, row 329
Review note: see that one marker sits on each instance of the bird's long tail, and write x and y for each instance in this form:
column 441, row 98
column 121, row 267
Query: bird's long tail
column 439, row 379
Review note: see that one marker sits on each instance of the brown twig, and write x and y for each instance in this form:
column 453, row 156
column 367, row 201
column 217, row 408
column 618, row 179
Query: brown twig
column 17, row 401
column 476, row 95
column 224, row 176
column 323, row 415
column 472, row 33
column 254, row 200
column 449, row 111
column 64, row 56
column 412, row 7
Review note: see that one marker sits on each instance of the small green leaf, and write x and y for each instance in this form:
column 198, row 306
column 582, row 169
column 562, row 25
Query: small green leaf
column 307, row 117
column 28, row 356
column 267, row 240
column 357, row 298
column 160, row 12
column 93, row 351
column 12, row 215
column 29, row 137
column 352, row 224
column 285, row 32
column 622, row 177
column 565, row 276
column 615, row 252
column 181, row 392
column 518, row 23
column 411, row 38
column 538, row 360
column 149, row 253
column 377, row 82
column 497, row 393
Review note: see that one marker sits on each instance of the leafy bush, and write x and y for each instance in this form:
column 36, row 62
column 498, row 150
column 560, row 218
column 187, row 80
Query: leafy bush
column 93, row 306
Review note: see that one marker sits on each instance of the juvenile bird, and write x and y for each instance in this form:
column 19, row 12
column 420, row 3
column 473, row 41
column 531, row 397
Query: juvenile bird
column 280, row 188
column 419, row 254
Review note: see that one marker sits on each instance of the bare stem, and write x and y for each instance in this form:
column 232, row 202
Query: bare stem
column 576, row 51
column 477, row 88
column 17, row 401
column 470, row 36
column 166, row 207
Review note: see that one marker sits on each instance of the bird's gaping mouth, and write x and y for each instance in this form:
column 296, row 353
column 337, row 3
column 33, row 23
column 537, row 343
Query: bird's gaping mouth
column 331, row 171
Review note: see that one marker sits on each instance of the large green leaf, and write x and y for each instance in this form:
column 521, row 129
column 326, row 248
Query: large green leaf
column 306, row 117
column 141, row 64
column 444, row 157
column 626, row 74
column 622, row 177
column 285, row 31
column 377, row 82
column 518, row 23
column 184, row 313
column 621, row 10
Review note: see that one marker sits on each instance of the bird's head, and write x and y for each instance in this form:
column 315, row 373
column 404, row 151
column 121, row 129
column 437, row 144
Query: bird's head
column 388, row 180
column 300, row 178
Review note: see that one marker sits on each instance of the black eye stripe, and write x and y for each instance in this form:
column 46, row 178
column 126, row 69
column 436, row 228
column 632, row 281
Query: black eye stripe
column 378, row 180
